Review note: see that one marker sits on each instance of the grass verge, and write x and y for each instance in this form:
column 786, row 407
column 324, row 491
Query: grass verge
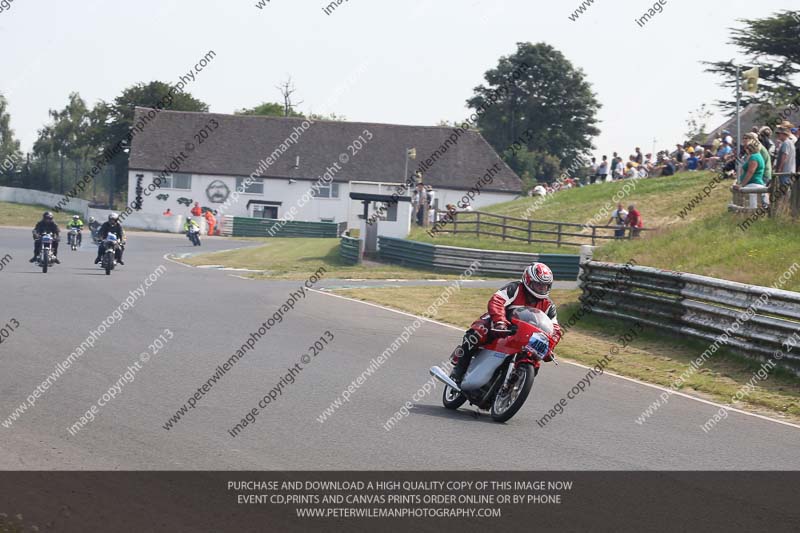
column 654, row 357
column 295, row 258
column 29, row 215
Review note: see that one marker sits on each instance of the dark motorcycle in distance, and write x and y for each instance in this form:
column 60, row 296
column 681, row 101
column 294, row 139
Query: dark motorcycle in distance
column 74, row 238
column 95, row 231
column 501, row 374
column 109, row 258
column 46, row 257
column 194, row 235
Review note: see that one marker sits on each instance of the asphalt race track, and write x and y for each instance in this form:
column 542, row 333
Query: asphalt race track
column 211, row 313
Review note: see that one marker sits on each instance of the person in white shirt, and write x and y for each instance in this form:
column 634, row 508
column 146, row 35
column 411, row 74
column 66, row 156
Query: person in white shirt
column 727, row 137
column 618, row 216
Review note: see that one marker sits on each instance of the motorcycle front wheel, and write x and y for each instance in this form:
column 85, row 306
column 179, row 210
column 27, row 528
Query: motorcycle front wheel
column 108, row 262
column 45, row 262
column 507, row 403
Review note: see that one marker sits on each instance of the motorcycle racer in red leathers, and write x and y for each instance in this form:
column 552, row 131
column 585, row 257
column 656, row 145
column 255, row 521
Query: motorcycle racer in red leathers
column 533, row 290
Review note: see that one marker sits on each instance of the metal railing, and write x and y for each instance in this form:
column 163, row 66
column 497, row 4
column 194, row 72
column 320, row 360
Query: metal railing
column 696, row 306
column 268, row 227
column 526, row 230
column 350, row 250
column 783, row 199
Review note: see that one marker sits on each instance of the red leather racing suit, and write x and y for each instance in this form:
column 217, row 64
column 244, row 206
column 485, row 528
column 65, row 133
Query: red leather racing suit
column 512, row 295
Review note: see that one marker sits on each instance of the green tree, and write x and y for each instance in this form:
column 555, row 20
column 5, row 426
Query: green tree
column 534, row 167
column 9, row 145
column 772, row 45
column 156, row 94
column 10, row 155
column 68, row 133
column 697, row 124
column 119, row 117
column 537, row 90
column 269, row 109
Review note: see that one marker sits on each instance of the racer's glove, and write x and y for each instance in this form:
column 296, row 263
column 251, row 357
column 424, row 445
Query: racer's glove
column 501, row 328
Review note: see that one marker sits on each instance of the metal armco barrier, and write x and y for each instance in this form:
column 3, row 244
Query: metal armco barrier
column 268, row 227
column 454, row 259
column 350, row 250
column 697, row 306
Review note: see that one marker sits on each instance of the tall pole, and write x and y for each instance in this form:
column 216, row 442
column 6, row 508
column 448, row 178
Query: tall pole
column 110, row 173
column 738, row 117
column 61, row 179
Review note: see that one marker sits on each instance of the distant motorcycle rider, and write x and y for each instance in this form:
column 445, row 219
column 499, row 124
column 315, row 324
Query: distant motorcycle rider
column 94, row 227
column 532, row 290
column 77, row 224
column 46, row 225
column 111, row 226
column 189, row 224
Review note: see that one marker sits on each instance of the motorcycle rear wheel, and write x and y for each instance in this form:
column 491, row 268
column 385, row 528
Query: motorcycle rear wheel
column 506, row 405
column 452, row 399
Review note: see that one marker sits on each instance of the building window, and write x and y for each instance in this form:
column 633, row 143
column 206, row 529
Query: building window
column 256, row 186
column 177, row 181
column 265, row 211
column 391, row 212
column 331, row 190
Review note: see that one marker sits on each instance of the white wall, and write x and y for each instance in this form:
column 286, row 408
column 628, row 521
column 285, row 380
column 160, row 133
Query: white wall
column 30, row 196
column 275, row 190
column 296, row 195
column 450, row 196
column 150, row 222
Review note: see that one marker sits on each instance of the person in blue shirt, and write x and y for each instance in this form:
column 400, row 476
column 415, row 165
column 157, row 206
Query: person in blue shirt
column 691, row 162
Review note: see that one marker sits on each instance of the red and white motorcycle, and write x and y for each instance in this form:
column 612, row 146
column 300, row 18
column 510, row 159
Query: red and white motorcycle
column 501, row 374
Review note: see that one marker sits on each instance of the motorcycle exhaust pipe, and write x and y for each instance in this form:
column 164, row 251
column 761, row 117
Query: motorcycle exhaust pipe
column 440, row 374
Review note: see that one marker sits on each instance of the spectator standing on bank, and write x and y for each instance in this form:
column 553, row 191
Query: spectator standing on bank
column 765, row 138
column 430, row 196
column 418, row 200
column 726, row 137
column 634, row 221
column 614, row 165
column 716, row 143
column 602, row 170
column 593, row 171
column 765, row 155
column 692, row 161
column 788, row 126
column 639, row 158
column 680, row 155
column 786, row 155
column 753, row 172
column 618, row 217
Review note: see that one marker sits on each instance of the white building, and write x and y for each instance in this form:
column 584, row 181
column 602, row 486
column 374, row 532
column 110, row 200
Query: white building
column 268, row 167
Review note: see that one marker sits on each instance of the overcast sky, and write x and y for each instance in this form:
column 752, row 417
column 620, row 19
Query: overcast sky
column 404, row 62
